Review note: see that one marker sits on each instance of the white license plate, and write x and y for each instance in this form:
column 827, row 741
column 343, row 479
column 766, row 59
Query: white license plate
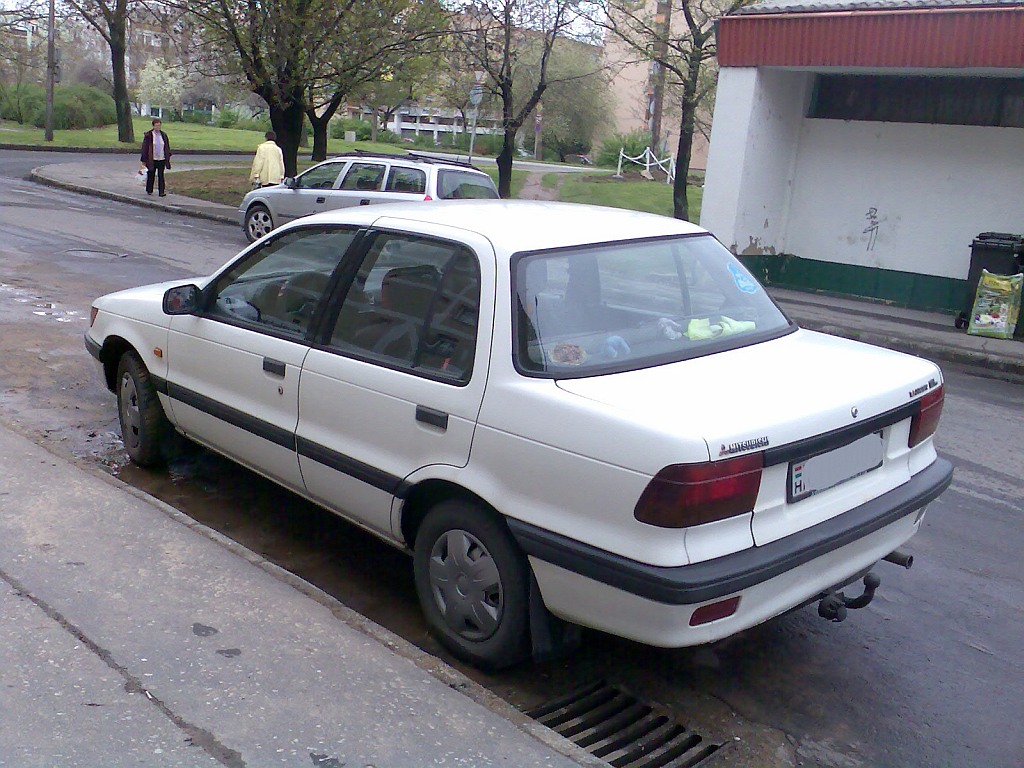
column 827, row 470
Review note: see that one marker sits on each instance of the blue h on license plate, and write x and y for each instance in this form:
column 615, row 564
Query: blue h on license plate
column 827, row 470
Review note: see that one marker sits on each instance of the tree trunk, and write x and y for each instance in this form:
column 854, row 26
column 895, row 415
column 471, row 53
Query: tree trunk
column 320, row 125
column 287, row 124
column 680, row 203
column 687, row 124
column 504, row 161
column 122, row 105
column 374, row 128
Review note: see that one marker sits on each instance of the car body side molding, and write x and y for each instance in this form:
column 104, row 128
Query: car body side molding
column 712, row 579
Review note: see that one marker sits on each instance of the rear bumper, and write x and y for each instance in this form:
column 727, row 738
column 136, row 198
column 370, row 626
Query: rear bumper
column 713, row 579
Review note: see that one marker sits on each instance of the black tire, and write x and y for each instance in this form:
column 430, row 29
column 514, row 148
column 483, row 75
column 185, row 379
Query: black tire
column 144, row 426
column 258, row 222
column 473, row 585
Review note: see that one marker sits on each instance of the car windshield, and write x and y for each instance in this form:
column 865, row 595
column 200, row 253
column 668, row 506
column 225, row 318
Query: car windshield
column 464, row 185
column 634, row 304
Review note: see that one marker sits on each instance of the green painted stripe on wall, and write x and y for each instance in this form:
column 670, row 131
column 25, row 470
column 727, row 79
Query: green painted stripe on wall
column 903, row 289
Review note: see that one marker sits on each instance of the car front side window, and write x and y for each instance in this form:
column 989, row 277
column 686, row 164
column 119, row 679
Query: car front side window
column 278, row 286
column 320, row 176
column 413, row 305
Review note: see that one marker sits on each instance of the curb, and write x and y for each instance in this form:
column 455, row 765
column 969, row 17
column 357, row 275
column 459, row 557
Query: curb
column 37, row 177
column 431, row 665
column 992, row 364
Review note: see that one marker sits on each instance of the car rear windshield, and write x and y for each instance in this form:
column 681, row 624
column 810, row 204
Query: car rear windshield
column 464, row 185
column 634, row 304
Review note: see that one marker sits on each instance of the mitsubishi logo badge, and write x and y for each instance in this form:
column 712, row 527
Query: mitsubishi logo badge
column 854, row 411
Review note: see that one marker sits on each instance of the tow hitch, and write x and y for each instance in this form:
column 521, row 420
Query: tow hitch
column 834, row 606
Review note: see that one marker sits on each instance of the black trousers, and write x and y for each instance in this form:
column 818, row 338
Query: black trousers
column 156, row 169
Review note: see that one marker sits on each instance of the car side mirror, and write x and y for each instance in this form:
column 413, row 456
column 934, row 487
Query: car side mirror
column 290, row 182
column 181, row 300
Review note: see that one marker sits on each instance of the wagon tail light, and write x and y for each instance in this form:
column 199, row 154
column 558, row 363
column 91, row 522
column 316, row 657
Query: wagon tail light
column 682, row 495
column 926, row 420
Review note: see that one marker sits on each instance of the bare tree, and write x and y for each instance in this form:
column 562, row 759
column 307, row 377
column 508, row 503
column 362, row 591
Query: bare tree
column 110, row 19
column 682, row 51
column 512, row 42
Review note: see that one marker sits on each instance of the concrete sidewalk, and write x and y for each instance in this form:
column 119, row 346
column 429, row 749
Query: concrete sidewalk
column 928, row 334
column 131, row 635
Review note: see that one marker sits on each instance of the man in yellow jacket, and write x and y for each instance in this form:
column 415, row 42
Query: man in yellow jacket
column 268, row 165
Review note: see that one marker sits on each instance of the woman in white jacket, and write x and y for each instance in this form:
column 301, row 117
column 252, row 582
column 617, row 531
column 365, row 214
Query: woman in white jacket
column 268, row 165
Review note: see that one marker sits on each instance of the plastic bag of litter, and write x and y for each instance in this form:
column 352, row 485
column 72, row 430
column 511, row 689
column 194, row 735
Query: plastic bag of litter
column 140, row 176
column 996, row 305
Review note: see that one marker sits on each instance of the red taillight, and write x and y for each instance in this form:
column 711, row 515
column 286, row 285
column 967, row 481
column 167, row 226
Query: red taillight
column 926, row 420
column 682, row 495
column 714, row 611
column 427, row 198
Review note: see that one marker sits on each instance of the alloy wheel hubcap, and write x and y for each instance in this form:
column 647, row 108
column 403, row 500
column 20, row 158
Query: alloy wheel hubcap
column 130, row 415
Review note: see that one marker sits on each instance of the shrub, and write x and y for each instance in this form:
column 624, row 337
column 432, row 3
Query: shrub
column 362, row 128
column 633, row 144
column 388, row 137
column 20, row 103
column 76, row 106
column 197, row 116
column 227, row 118
column 261, row 124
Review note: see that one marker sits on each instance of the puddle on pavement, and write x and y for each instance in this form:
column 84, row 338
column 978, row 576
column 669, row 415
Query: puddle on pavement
column 39, row 306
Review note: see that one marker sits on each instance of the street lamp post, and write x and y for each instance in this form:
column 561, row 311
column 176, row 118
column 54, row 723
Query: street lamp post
column 51, row 72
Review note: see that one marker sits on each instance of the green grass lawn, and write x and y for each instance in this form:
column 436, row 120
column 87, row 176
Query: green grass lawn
column 650, row 196
column 183, row 136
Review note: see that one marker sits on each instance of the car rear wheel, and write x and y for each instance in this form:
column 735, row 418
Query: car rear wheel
column 143, row 423
column 258, row 222
column 473, row 585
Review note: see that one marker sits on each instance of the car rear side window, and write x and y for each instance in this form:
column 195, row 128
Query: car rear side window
column 407, row 180
column 464, row 185
column 277, row 287
column 364, row 177
column 413, row 305
column 633, row 304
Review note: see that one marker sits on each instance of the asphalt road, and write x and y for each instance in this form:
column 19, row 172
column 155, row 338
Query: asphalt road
column 927, row 675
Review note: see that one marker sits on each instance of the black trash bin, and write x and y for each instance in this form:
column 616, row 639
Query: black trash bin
column 1001, row 254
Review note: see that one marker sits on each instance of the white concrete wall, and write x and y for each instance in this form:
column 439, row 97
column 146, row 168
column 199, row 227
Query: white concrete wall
column 755, row 139
column 931, row 188
column 894, row 196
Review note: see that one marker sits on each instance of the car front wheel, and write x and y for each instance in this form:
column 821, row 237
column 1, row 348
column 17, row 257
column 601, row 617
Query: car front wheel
column 258, row 222
column 143, row 423
column 473, row 585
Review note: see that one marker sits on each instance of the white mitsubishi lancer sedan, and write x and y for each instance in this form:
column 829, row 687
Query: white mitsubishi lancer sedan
column 568, row 415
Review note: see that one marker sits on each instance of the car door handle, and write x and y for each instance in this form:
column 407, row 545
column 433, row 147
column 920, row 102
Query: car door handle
column 321, row 199
column 275, row 367
column 430, row 416
column 365, row 201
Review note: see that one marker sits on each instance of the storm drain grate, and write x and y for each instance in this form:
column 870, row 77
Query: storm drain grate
column 622, row 730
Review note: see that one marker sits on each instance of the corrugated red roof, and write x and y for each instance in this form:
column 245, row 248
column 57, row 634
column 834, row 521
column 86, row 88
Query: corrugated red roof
column 965, row 37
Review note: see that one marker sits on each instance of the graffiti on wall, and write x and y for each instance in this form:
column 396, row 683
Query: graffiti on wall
column 871, row 230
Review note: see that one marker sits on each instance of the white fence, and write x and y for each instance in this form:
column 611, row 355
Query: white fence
column 648, row 160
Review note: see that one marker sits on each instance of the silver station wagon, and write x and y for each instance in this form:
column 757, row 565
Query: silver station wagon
column 361, row 178
column 567, row 415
